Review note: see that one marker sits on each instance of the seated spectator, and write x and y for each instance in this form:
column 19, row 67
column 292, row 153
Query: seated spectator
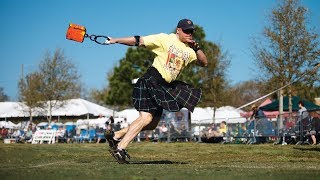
column 70, row 133
column 28, row 134
column 77, row 135
column 184, row 135
column 242, row 129
column 163, row 131
column 211, row 130
column 222, row 130
column 16, row 134
column 60, row 134
column 100, row 133
column 117, row 126
column 289, row 124
column 4, row 133
column 315, row 127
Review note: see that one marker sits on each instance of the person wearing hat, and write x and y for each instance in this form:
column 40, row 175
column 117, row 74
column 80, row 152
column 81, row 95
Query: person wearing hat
column 263, row 125
column 158, row 88
column 257, row 113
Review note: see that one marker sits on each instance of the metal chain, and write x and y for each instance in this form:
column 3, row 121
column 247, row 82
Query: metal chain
column 98, row 39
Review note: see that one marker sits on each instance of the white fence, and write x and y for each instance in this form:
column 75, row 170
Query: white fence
column 44, row 136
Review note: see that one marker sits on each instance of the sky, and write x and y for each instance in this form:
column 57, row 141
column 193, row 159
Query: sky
column 31, row 28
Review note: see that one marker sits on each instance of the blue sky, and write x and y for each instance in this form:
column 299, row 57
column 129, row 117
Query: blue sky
column 30, row 28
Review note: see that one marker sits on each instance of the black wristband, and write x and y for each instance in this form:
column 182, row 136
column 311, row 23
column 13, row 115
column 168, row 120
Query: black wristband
column 137, row 40
column 196, row 49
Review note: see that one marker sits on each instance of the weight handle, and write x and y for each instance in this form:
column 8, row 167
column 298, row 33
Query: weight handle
column 103, row 40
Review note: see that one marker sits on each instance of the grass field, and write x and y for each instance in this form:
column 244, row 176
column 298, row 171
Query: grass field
column 160, row 161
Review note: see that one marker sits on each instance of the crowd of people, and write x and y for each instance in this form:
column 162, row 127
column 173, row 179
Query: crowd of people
column 65, row 133
column 71, row 133
column 18, row 134
column 302, row 127
column 258, row 129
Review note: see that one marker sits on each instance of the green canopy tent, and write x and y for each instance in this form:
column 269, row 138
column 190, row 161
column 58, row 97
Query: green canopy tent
column 274, row 106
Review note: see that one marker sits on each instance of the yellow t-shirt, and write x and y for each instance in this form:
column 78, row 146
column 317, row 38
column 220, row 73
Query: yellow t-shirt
column 172, row 55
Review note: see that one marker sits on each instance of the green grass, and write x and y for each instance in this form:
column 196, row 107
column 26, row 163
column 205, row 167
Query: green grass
column 160, row 161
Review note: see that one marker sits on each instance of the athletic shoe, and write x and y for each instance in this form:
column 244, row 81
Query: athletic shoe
column 120, row 155
column 109, row 135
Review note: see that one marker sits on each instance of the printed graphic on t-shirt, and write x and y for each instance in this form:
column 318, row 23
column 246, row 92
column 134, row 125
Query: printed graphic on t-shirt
column 175, row 61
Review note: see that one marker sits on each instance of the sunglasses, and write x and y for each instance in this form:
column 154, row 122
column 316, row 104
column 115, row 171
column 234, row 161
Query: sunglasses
column 188, row 31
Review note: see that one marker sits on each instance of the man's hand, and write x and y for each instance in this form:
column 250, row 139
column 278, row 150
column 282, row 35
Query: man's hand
column 109, row 40
column 194, row 45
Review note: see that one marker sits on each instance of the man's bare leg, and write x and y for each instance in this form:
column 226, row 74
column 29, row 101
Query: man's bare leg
column 151, row 126
column 314, row 140
column 135, row 128
column 119, row 134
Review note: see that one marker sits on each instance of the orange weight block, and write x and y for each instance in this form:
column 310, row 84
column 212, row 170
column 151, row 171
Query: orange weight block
column 76, row 32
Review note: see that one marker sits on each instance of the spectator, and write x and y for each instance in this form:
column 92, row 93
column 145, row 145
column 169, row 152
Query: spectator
column 4, row 133
column 100, row 132
column 303, row 121
column 315, row 129
column 61, row 134
column 16, row 134
column 117, row 127
column 222, row 129
column 124, row 124
column 163, row 131
column 262, row 125
column 28, row 134
column 211, row 130
column 257, row 112
column 302, row 110
column 289, row 124
column 71, row 133
column 242, row 129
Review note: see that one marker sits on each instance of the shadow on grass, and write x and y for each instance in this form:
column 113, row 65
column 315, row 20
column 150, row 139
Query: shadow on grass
column 157, row 162
column 308, row 149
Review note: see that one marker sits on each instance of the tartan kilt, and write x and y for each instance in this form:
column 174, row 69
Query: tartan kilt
column 152, row 93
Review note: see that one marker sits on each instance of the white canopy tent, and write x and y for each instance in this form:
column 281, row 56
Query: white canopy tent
column 225, row 113
column 202, row 115
column 72, row 107
column 8, row 124
column 131, row 114
column 78, row 107
column 13, row 109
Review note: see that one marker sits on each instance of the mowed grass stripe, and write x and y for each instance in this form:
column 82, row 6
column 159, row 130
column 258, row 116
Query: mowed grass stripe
column 159, row 160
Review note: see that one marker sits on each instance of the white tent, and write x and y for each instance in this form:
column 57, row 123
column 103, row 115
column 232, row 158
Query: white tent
column 229, row 114
column 13, row 109
column 226, row 113
column 78, row 107
column 130, row 114
column 202, row 115
column 72, row 107
column 7, row 124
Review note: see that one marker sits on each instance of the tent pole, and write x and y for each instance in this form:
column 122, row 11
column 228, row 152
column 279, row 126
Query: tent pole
column 280, row 125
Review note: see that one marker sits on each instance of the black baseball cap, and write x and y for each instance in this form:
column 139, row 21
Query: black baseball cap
column 185, row 24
